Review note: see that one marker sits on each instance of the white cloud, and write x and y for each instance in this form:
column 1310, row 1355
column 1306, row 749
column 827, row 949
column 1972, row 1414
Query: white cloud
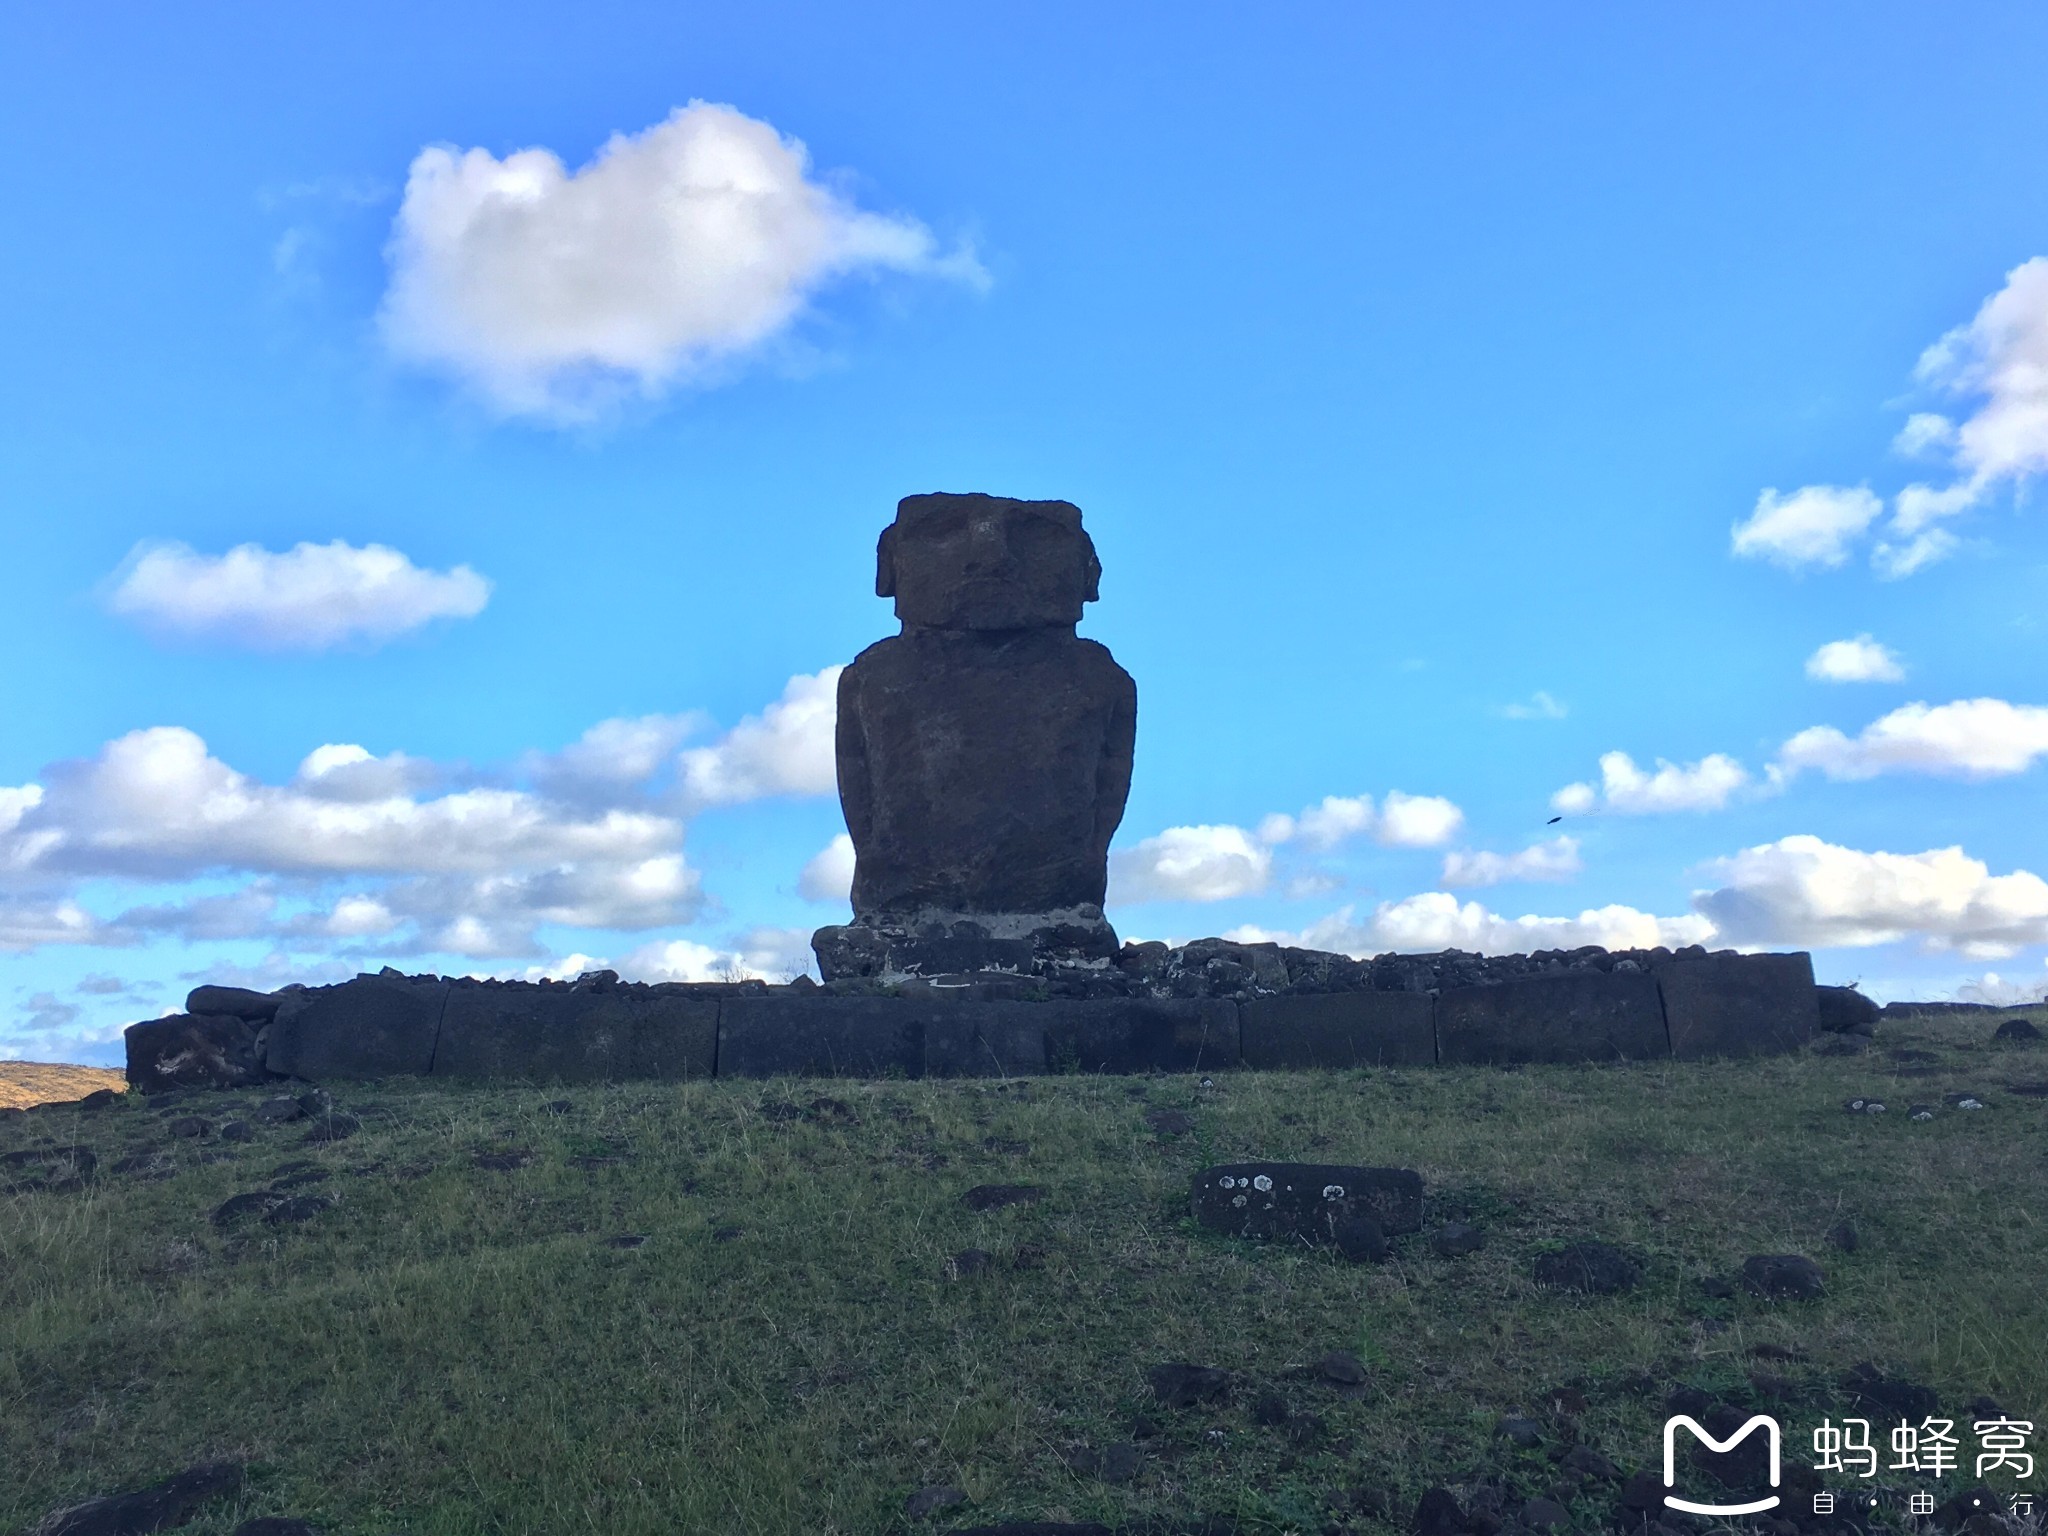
column 2001, row 357
column 787, row 749
column 828, row 876
column 1625, row 789
column 2004, row 991
column 1970, row 738
column 1205, row 863
column 1925, row 432
column 1861, row 660
column 351, row 773
column 1402, row 821
column 29, row 924
column 311, row 597
column 1437, row 920
column 765, row 954
column 1557, row 859
column 1815, row 525
column 1541, row 706
column 556, row 293
column 612, row 760
column 1803, row 891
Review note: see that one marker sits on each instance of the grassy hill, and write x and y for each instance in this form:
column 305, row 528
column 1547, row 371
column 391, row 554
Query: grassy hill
column 467, row 1340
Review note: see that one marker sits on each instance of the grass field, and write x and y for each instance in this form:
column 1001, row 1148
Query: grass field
column 453, row 1347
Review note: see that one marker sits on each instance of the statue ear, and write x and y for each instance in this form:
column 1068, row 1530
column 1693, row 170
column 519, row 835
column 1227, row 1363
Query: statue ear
column 885, row 563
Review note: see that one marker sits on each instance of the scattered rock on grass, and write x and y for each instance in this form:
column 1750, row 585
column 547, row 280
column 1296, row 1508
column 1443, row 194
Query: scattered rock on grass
column 99, row 1098
column 189, row 1125
column 1863, row 1106
column 278, row 1111
column 1438, row 1513
column 1526, row 1433
column 968, row 1262
column 929, row 1501
column 1270, row 1409
column 1964, row 1100
column 1595, row 1267
column 1868, row 1387
column 237, row 1130
column 1783, row 1277
column 337, row 1125
column 1454, row 1239
column 1541, row 1514
column 155, row 1508
column 1170, row 1122
column 1178, row 1385
column 1342, row 1367
column 1583, row 1458
column 2016, row 1029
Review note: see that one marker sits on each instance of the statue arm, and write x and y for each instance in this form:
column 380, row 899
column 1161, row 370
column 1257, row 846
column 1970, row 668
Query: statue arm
column 850, row 755
column 1119, row 746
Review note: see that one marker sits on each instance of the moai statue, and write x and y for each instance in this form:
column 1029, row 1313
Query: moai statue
column 984, row 753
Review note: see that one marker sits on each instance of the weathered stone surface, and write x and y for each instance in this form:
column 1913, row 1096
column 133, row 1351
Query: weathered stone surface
column 1338, row 1029
column 1569, row 1016
column 1309, row 1202
column 1136, row 1035
column 574, row 1035
column 1179, row 1385
column 813, row 1035
column 1843, row 1008
column 1739, row 1005
column 2016, row 1029
column 155, row 1508
column 1783, row 1277
column 984, row 754
column 241, row 1002
column 193, row 1051
column 374, row 1026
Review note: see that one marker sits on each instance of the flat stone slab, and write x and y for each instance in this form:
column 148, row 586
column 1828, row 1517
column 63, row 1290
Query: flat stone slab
column 1576, row 1016
column 569, row 1036
column 374, row 1026
column 1309, row 1201
column 819, row 1035
column 1739, row 1005
column 1005, row 1038
column 1338, row 1029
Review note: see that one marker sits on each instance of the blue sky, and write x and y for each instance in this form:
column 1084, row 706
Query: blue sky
column 443, row 450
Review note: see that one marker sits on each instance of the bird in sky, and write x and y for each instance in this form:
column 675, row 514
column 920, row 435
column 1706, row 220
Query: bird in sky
column 1553, row 821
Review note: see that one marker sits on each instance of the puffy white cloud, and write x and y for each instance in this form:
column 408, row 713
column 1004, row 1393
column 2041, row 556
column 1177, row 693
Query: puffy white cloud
column 1205, row 863
column 1557, row 859
column 828, row 876
column 2001, row 357
column 1402, row 821
column 1861, row 660
column 30, row 923
column 308, row 598
column 1970, row 738
column 766, row 954
column 1925, row 432
column 555, row 293
column 349, row 772
column 1625, row 789
column 1437, row 920
column 156, row 803
column 787, row 749
column 1803, row 891
column 612, row 760
column 1541, row 706
column 1815, row 525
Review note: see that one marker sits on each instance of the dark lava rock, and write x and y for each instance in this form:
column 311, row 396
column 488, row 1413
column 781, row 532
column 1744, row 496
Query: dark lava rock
column 296, row 1208
column 1544, row 1514
column 1455, row 1238
column 1170, row 1122
column 2016, row 1029
column 1583, row 1458
column 1360, row 1240
column 1342, row 1367
column 1844, row 1008
column 99, row 1098
column 1082, row 1460
column 188, row 1050
column 1868, row 1387
column 275, row 1525
column 983, row 754
column 1270, row 1410
column 155, row 1508
column 1306, row 1202
column 256, row 1202
column 1121, row 1462
column 1438, row 1513
column 1182, row 1386
column 626, row 1240
column 189, row 1125
column 277, row 1111
column 929, row 1501
column 300, row 1178
column 969, row 1261
column 236, row 1002
column 53, row 1168
column 1596, row 1267
column 1843, row 1235
column 1526, row 1433
column 1783, row 1277
column 237, row 1130
column 993, row 1197
column 335, row 1126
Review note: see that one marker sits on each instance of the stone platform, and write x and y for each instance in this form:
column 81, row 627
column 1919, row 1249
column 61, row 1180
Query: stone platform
column 1656, row 1006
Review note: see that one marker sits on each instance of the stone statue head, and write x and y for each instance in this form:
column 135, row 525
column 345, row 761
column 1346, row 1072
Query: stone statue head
column 986, row 562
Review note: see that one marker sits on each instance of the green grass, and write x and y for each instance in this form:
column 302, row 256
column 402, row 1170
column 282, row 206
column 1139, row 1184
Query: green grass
column 458, row 1352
